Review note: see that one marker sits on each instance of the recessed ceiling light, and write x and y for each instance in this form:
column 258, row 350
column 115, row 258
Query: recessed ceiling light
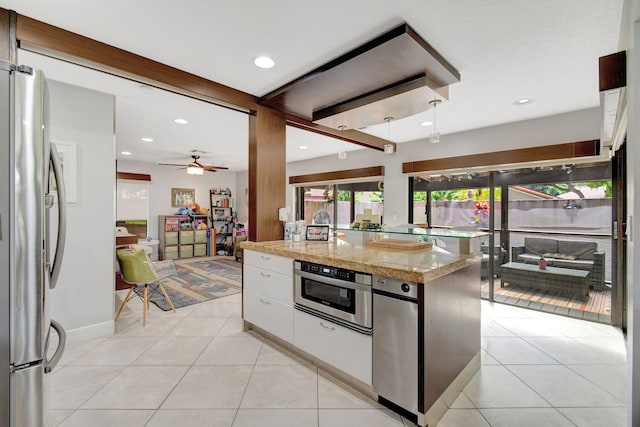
column 264, row 62
column 146, row 139
column 425, row 124
column 302, row 147
column 180, row 121
column 125, row 153
column 523, row 101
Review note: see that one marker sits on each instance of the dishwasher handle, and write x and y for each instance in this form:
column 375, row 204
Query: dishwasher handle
column 395, row 296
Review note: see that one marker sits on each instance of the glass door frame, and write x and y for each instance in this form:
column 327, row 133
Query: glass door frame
column 523, row 176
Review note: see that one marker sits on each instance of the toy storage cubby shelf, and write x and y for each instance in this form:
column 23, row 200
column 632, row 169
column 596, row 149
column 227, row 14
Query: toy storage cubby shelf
column 180, row 237
column 221, row 217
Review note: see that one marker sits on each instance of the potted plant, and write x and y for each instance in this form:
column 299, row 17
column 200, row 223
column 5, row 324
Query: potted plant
column 542, row 263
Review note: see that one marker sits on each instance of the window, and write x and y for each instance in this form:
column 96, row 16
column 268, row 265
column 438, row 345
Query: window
column 328, row 202
column 132, row 206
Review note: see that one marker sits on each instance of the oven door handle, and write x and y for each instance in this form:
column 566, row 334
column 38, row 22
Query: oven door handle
column 334, row 282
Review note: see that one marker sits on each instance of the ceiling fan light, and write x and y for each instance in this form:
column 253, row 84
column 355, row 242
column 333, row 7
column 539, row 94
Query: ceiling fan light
column 195, row 169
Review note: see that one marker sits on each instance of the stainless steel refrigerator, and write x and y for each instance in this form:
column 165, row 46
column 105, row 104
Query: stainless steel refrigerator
column 31, row 191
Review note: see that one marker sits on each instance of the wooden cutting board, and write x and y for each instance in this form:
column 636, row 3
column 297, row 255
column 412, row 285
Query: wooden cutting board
column 403, row 245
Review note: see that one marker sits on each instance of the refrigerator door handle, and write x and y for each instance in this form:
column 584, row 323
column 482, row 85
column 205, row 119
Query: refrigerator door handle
column 49, row 364
column 62, row 216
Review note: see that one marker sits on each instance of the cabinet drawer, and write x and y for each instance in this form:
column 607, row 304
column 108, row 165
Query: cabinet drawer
column 186, row 251
column 200, row 249
column 186, row 236
column 170, row 252
column 171, row 238
column 200, row 236
column 336, row 345
column 268, row 283
column 268, row 314
column 270, row 262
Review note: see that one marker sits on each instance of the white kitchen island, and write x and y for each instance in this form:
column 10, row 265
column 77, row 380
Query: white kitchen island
column 448, row 320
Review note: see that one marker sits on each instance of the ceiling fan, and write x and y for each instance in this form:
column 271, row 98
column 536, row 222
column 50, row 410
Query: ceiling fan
column 195, row 167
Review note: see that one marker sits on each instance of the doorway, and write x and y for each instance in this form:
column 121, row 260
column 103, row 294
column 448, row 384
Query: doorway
column 568, row 203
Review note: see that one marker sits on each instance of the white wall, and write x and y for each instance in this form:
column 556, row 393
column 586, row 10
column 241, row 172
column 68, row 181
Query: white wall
column 164, row 178
column 569, row 127
column 83, row 301
column 241, row 198
column 630, row 40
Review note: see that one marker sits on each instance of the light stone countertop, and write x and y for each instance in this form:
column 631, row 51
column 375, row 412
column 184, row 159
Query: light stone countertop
column 415, row 266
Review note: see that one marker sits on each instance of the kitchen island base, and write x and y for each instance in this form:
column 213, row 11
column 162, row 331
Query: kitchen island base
column 448, row 324
column 432, row 416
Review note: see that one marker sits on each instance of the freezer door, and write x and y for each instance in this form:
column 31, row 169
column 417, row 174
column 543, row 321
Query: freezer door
column 29, row 275
column 6, row 172
column 27, row 397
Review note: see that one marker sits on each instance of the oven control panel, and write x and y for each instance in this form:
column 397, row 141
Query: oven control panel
column 324, row 270
column 335, row 272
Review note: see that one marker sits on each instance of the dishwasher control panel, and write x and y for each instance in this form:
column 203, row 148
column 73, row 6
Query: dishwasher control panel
column 397, row 287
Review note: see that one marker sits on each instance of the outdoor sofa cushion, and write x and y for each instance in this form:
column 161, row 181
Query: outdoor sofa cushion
column 559, row 253
column 538, row 245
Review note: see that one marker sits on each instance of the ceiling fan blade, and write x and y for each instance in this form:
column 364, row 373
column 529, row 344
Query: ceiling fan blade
column 171, row 164
column 210, row 167
column 210, row 170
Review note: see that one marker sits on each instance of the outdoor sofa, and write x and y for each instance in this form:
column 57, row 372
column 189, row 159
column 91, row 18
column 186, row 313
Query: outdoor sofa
column 564, row 254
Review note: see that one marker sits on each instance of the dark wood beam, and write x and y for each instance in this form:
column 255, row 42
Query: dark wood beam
column 267, row 177
column 45, row 38
column 569, row 150
column 133, row 176
column 369, row 172
column 383, row 62
column 613, row 71
column 349, row 135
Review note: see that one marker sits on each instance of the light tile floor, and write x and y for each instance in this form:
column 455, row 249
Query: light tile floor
column 198, row 368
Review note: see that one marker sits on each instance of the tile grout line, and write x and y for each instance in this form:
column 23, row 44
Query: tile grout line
column 560, row 364
column 516, row 376
column 244, row 391
column 189, row 367
column 519, row 379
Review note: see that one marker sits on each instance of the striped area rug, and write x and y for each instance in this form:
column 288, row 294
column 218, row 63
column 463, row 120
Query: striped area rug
column 198, row 280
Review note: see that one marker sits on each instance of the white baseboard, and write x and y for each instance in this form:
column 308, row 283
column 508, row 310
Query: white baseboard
column 85, row 333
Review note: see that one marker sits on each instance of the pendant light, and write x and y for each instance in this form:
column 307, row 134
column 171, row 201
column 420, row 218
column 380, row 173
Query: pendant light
column 388, row 148
column 434, row 138
column 342, row 155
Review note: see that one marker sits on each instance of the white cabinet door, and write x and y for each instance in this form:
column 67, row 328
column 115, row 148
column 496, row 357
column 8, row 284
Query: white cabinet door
column 269, row 262
column 269, row 314
column 336, row 345
column 269, row 283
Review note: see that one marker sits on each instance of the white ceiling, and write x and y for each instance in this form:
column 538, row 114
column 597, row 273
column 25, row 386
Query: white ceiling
column 504, row 50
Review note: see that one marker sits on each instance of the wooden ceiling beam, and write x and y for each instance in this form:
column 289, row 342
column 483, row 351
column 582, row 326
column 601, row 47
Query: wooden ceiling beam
column 360, row 173
column 569, row 150
column 44, row 38
column 349, row 135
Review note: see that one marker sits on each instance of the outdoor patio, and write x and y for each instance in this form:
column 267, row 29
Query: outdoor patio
column 596, row 306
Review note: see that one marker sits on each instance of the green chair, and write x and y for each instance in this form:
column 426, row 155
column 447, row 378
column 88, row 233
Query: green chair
column 137, row 270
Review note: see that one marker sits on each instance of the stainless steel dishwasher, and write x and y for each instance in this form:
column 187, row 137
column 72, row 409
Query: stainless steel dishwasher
column 395, row 342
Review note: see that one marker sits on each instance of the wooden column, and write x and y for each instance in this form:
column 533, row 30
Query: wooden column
column 267, row 174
